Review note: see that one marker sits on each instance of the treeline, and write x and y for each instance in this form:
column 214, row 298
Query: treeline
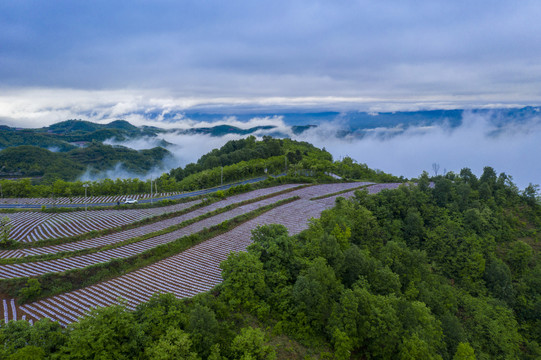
column 247, row 149
column 236, row 160
column 241, row 159
column 444, row 271
column 449, row 272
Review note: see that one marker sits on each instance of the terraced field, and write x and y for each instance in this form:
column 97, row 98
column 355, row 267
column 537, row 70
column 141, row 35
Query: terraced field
column 185, row 274
column 81, row 199
column 31, row 226
column 142, row 230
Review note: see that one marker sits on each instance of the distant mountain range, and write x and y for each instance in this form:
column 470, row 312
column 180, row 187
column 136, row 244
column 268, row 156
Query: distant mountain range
column 69, row 148
column 71, row 134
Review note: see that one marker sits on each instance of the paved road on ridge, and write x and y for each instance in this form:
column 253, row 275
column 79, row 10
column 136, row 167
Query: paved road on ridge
column 172, row 197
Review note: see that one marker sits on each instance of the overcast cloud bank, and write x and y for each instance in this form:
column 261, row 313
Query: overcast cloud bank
column 508, row 146
column 513, row 148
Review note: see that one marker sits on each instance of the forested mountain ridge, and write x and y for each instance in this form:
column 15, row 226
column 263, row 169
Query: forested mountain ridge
column 32, row 161
column 62, row 136
column 71, row 147
column 449, row 271
column 248, row 157
column 70, row 134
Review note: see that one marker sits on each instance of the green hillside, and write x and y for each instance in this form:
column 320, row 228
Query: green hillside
column 32, row 161
column 80, row 126
column 62, row 135
column 10, row 137
column 442, row 271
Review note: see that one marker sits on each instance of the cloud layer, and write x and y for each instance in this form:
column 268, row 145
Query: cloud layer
column 398, row 51
column 513, row 148
column 510, row 145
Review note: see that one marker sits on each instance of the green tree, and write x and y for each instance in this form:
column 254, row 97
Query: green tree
column 5, row 228
column 161, row 312
column 519, row 256
column 464, row 352
column 244, row 281
column 492, row 328
column 250, row 345
column 314, row 295
column 203, row 328
column 29, row 352
column 106, row 333
column 370, row 321
column 530, row 194
column 175, row 344
column 31, row 291
column 413, row 348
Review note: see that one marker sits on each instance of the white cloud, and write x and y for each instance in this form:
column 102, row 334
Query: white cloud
column 37, row 107
column 513, row 149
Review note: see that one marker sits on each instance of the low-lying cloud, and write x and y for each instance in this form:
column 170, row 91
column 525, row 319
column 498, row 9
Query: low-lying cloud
column 512, row 148
column 508, row 146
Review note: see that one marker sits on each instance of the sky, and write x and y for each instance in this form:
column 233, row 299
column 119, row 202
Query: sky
column 63, row 57
column 105, row 60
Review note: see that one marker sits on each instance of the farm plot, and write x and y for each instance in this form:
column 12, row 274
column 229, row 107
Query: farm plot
column 33, row 226
column 371, row 190
column 186, row 274
column 10, row 312
column 81, row 200
column 139, row 231
column 58, row 265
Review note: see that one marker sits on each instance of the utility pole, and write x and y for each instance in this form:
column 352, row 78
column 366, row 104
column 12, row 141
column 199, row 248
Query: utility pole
column 285, row 161
column 86, row 186
column 222, row 176
column 151, row 200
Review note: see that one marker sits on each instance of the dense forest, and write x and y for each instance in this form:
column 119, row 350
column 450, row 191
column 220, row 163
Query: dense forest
column 62, row 136
column 444, row 269
column 249, row 157
column 68, row 149
column 240, row 159
column 46, row 166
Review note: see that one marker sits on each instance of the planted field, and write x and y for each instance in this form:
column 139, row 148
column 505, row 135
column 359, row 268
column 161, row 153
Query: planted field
column 81, row 200
column 32, row 226
column 185, row 274
column 142, row 230
column 76, row 262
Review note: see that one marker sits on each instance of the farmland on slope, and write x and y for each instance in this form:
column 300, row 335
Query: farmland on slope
column 185, row 274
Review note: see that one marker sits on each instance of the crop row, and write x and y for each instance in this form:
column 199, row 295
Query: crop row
column 80, row 199
column 142, row 230
column 190, row 272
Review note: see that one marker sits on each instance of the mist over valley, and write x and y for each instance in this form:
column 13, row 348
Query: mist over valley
column 402, row 143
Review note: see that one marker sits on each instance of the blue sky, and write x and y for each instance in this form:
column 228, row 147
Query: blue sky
column 60, row 57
